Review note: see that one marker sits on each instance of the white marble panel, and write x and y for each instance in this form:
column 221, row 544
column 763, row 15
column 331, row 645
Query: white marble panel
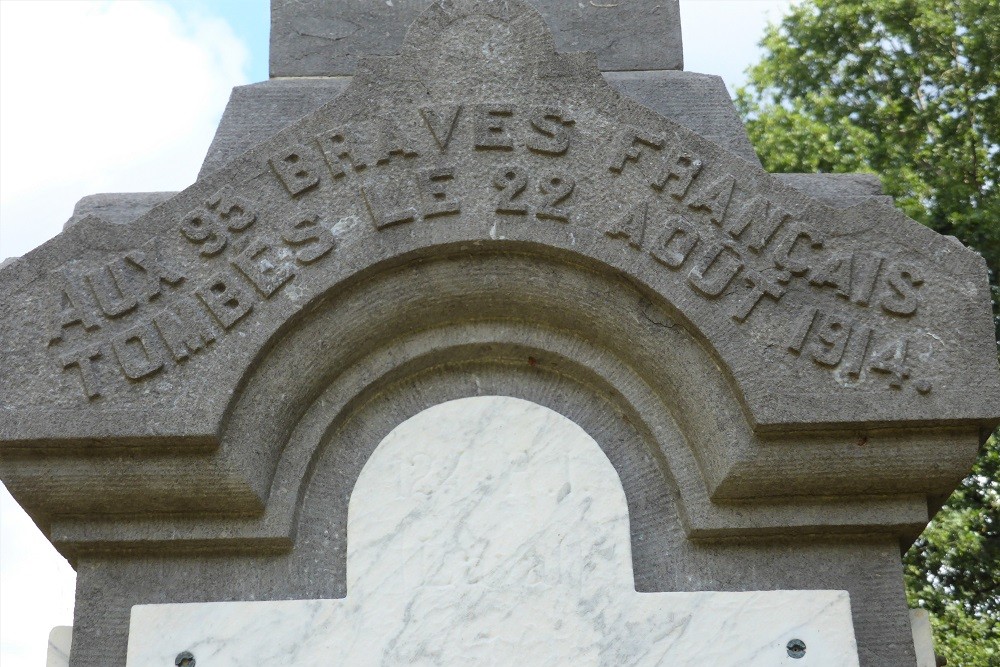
column 60, row 641
column 493, row 531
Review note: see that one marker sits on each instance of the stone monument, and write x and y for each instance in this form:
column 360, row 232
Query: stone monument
column 491, row 344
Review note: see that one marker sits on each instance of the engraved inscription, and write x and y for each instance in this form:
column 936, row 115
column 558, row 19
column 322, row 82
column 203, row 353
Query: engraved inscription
column 491, row 127
column 631, row 226
column 434, row 194
column 210, row 226
column 310, row 239
column 441, row 123
column 259, row 265
column 834, row 340
column 114, row 290
column 511, row 182
column 726, row 241
column 83, row 360
column 136, row 352
column 555, row 190
column 749, row 249
column 297, row 169
column 190, row 322
column 546, row 197
column 552, row 131
column 185, row 329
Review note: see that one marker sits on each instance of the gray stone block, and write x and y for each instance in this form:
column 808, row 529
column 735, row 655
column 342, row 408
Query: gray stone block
column 118, row 208
column 258, row 111
column 838, row 190
column 326, row 37
column 699, row 102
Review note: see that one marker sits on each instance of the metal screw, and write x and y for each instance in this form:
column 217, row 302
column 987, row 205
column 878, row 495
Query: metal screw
column 796, row 648
column 184, row 659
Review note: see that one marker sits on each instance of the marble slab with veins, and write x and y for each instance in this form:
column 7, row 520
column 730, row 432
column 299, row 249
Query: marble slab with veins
column 494, row 531
column 60, row 641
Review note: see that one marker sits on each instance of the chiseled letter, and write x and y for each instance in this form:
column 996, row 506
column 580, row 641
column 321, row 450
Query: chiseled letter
column 297, row 168
column 312, row 239
column 678, row 169
column 491, row 127
column 552, row 131
column 796, row 236
column 726, row 263
column 185, row 328
column 626, row 147
column 84, row 360
column 676, row 241
column 383, row 202
column 226, row 299
column 903, row 281
column 441, row 124
column 434, row 199
column 138, row 352
column 156, row 271
column 113, row 299
column 262, row 268
column 75, row 309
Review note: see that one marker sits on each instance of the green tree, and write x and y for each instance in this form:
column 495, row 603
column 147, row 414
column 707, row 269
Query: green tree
column 908, row 90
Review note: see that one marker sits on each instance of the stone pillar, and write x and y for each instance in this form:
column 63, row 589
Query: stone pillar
column 327, row 37
column 778, row 382
column 316, row 46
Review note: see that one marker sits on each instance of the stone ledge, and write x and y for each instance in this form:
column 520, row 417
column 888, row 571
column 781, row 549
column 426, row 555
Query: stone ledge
column 118, row 208
column 258, row 111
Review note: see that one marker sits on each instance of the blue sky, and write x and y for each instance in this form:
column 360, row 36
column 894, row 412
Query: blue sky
column 102, row 96
column 249, row 19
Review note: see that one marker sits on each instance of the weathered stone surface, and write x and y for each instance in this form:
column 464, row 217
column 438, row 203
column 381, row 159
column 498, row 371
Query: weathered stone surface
column 838, row 190
column 923, row 638
column 257, row 112
column 117, row 208
column 699, row 102
column 782, row 385
column 790, row 248
column 327, row 37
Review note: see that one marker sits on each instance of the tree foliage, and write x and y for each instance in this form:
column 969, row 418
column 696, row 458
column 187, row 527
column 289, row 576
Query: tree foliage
column 908, row 90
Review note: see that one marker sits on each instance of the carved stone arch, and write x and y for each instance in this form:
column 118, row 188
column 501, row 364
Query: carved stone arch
column 660, row 403
column 319, row 541
column 501, row 304
column 515, row 320
column 771, row 374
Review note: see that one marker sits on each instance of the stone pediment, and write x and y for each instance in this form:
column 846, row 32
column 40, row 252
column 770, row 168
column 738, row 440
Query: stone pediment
column 478, row 190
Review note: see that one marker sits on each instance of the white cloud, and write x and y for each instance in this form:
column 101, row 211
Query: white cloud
column 103, row 97
column 94, row 97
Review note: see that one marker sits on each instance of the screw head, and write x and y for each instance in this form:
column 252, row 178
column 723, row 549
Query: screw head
column 796, row 648
column 184, row 659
